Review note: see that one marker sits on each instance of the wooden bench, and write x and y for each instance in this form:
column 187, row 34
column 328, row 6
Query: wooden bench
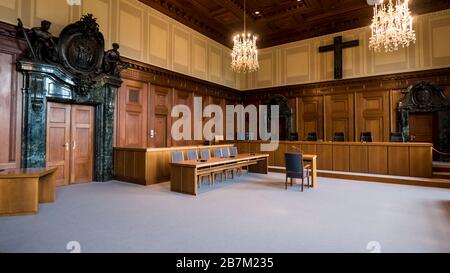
column 21, row 190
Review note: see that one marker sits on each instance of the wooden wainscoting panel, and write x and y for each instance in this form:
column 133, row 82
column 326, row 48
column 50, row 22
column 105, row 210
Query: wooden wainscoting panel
column 309, row 148
column 359, row 161
column 10, row 109
column 378, row 159
column 279, row 156
column 325, row 157
column 341, row 158
column 421, row 161
column 398, row 158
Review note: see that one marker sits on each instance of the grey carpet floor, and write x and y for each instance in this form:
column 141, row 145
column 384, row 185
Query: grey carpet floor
column 252, row 214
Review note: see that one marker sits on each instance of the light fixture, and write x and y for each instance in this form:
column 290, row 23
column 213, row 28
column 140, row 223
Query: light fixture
column 391, row 26
column 244, row 57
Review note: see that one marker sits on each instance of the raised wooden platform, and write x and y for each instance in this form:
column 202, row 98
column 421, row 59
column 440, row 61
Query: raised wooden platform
column 391, row 179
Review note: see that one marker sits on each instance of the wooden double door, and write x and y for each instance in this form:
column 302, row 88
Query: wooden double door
column 70, row 142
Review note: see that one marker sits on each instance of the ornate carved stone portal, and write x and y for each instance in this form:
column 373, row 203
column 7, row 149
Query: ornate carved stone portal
column 68, row 70
column 426, row 97
column 285, row 117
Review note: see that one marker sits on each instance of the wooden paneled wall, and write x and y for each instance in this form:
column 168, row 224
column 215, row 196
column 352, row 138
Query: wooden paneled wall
column 159, row 91
column 10, row 98
column 349, row 106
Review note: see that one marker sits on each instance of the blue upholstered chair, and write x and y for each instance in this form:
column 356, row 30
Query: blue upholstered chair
column 339, row 137
column 225, row 152
column 192, row 155
column 234, row 153
column 177, row 156
column 295, row 168
column 206, row 155
column 217, row 153
column 312, row 137
column 366, row 137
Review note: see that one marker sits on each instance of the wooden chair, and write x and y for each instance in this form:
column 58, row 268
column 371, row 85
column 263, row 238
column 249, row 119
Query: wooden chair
column 366, row 137
column 339, row 137
column 206, row 155
column 226, row 154
column 295, row 168
column 193, row 155
column 311, row 137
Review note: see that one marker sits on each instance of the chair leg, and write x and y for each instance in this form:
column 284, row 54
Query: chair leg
column 303, row 183
column 292, row 182
column 309, row 179
column 286, row 181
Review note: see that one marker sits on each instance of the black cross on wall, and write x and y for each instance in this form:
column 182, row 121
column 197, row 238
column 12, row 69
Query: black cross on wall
column 337, row 47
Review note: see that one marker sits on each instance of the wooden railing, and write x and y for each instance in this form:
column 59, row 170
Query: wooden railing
column 386, row 158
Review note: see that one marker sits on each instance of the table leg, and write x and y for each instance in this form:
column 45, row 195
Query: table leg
column 47, row 188
column 261, row 167
column 314, row 172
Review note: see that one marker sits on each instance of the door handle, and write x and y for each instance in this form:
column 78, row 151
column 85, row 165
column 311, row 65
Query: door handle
column 66, row 146
column 74, row 145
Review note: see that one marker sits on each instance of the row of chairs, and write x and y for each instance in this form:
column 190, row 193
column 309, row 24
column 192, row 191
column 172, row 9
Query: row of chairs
column 205, row 154
column 364, row 136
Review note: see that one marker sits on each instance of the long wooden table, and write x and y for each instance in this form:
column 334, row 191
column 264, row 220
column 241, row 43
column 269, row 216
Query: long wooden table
column 21, row 190
column 184, row 174
column 148, row 166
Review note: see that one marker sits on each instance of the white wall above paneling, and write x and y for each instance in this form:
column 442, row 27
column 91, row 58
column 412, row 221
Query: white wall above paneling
column 143, row 33
column 152, row 37
column 302, row 63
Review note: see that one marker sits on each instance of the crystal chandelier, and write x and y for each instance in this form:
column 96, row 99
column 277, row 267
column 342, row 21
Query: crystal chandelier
column 244, row 57
column 391, row 26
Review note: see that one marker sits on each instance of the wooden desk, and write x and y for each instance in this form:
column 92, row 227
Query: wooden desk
column 21, row 190
column 378, row 158
column 148, row 166
column 184, row 173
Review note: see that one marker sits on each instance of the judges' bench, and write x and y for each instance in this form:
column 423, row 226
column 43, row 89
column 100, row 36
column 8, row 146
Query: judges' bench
column 21, row 190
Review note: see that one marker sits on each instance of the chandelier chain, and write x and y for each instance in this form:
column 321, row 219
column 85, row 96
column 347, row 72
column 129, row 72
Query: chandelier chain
column 244, row 57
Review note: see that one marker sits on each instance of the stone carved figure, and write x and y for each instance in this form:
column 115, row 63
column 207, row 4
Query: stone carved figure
column 41, row 42
column 113, row 64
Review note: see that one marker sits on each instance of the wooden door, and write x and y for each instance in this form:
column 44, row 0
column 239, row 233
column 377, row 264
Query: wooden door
column 160, row 135
column 132, row 122
column 58, row 141
column 82, row 140
column 159, row 122
column 421, row 127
